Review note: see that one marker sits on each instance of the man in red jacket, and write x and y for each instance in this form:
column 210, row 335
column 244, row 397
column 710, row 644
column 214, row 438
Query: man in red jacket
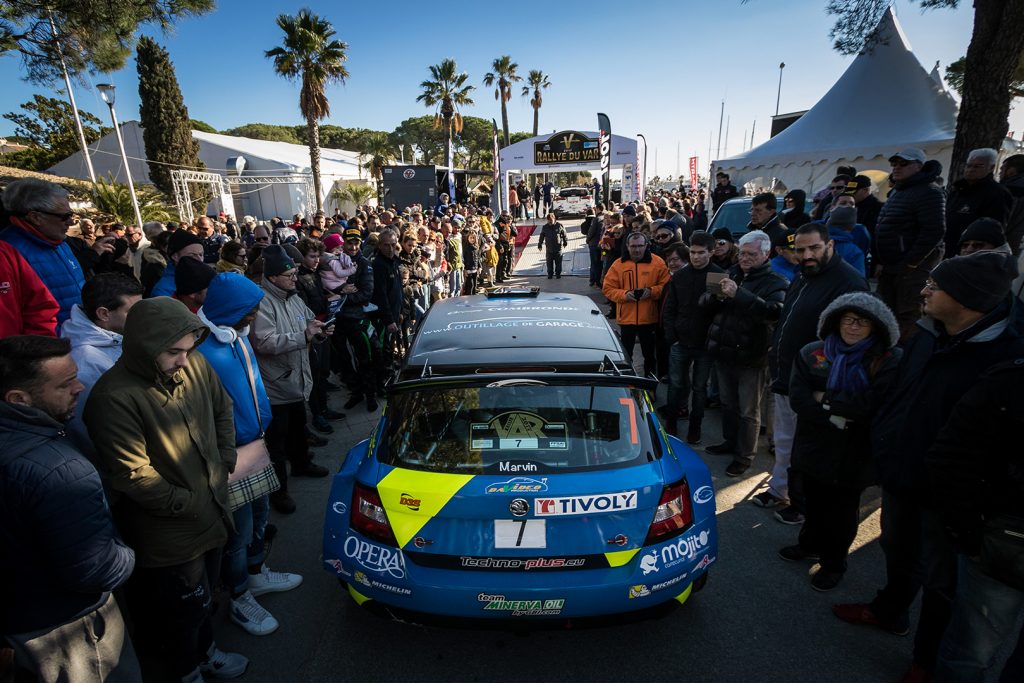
column 26, row 305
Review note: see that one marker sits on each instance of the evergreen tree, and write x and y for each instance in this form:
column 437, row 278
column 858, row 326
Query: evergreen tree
column 166, row 127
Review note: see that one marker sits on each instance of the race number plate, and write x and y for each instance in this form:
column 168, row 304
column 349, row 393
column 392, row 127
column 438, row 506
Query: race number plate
column 520, row 533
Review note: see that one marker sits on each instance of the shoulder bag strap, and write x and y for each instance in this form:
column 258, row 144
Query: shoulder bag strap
column 252, row 383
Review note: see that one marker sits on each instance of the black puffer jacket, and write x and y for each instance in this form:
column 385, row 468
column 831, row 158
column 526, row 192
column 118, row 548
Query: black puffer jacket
column 806, row 298
column 968, row 202
column 937, row 370
column 363, row 279
column 59, row 552
column 912, row 223
column 742, row 326
column 841, row 455
column 685, row 320
column 387, row 289
column 979, row 450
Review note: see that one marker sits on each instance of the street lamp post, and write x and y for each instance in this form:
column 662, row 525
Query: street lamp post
column 643, row 179
column 778, row 96
column 107, row 93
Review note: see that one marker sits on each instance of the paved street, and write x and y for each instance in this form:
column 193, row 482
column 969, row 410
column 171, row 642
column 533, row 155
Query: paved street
column 757, row 619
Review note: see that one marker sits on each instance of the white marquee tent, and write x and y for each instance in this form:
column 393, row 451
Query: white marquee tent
column 884, row 102
column 219, row 153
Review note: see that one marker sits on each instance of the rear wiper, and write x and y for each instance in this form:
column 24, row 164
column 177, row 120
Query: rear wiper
column 444, row 430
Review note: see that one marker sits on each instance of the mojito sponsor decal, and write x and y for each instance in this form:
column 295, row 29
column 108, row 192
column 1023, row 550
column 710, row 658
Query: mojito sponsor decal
column 523, row 563
column 582, row 505
column 649, row 562
column 371, row 582
column 521, row 608
column 685, row 548
column 703, row 495
column 375, row 558
column 518, row 485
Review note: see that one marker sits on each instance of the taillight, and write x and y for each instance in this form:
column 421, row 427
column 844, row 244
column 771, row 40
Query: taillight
column 369, row 517
column 674, row 514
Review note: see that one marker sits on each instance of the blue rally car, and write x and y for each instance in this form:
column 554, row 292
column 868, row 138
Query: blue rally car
column 519, row 470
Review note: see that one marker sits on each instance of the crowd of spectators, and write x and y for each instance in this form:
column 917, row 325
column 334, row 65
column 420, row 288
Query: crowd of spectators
column 160, row 385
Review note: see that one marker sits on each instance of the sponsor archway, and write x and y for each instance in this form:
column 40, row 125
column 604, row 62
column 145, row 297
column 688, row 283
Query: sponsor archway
column 567, row 151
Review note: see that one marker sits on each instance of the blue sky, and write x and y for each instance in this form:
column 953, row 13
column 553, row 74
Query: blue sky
column 657, row 67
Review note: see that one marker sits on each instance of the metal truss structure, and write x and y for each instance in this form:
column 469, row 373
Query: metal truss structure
column 221, row 185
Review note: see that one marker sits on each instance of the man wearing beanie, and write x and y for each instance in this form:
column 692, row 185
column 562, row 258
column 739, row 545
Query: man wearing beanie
column 191, row 278
column 984, row 234
column 280, row 335
column 182, row 244
column 976, row 195
column 971, row 322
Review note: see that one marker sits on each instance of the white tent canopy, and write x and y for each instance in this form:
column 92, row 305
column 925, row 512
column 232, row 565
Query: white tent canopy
column 219, row 153
column 885, row 101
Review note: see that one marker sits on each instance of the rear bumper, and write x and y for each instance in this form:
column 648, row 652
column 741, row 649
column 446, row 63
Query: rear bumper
column 654, row 577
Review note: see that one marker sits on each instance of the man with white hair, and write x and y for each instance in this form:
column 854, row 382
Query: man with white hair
column 745, row 309
column 976, row 195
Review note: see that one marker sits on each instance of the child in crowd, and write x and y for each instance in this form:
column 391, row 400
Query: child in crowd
column 335, row 269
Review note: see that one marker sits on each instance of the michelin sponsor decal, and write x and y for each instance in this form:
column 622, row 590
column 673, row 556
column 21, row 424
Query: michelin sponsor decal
column 639, row 591
column 684, row 548
column 375, row 558
column 369, row 582
column 643, row 590
column 582, row 505
column 521, row 608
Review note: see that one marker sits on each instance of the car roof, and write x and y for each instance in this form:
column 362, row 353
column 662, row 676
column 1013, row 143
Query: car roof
column 549, row 329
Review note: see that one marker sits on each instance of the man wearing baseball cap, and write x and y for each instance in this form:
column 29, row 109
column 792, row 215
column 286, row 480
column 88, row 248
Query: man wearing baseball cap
column 971, row 322
column 358, row 368
column 909, row 235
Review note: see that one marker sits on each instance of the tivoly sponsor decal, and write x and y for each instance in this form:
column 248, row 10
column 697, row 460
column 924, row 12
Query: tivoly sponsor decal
column 684, row 548
column 375, row 558
column 582, row 505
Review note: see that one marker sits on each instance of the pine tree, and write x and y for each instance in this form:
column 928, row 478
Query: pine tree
column 166, row 127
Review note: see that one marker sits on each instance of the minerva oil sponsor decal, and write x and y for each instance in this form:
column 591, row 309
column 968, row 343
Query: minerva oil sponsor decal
column 582, row 505
column 521, row 608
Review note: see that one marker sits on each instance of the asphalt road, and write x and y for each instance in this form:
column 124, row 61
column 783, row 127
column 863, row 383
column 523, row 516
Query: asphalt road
column 757, row 619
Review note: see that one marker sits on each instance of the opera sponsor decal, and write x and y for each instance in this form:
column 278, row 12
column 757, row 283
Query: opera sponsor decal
column 582, row 505
column 521, row 608
column 375, row 558
column 684, row 549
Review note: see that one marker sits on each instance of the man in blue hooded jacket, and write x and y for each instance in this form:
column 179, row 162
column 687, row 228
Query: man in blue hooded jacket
column 232, row 302
column 182, row 244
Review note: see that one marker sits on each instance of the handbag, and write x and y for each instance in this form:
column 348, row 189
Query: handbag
column 1002, row 550
column 254, row 474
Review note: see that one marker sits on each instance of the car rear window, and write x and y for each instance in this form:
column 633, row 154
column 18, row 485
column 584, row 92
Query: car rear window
column 534, row 428
column 574, row 192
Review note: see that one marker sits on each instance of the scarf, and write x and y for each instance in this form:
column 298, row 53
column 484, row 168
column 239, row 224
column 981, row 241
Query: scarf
column 847, row 372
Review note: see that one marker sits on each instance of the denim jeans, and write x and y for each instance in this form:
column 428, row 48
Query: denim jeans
column 455, row 282
column 245, row 546
column 985, row 614
column 680, row 361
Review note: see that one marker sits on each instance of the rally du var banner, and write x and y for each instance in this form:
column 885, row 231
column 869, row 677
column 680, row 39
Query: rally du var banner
column 605, row 142
column 693, row 173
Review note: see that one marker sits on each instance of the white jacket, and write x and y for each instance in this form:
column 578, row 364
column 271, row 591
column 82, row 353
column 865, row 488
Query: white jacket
column 94, row 351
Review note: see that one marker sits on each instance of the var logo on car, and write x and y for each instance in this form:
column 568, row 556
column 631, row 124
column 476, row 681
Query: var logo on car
column 703, row 495
column 581, row 505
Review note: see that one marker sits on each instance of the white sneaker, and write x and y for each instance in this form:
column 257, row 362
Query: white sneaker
column 248, row 614
column 268, row 581
column 220, row 664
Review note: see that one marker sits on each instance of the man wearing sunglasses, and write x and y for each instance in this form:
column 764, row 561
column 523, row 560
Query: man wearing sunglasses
column 909, row 236
column 40, row 217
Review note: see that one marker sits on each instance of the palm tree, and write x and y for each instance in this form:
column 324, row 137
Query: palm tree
column 504, row 75
column 357, row 193
column 377, row 152
column 535, row 82
column 448, row 91
column 311, row 53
